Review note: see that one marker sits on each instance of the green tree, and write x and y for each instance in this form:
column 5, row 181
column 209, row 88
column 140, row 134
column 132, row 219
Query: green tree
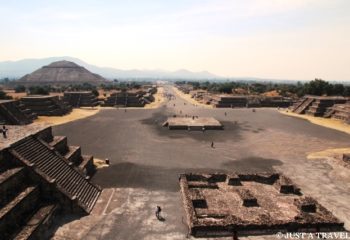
column 20, row 88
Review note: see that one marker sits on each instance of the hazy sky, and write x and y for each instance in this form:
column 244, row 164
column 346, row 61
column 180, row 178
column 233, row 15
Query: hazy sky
column 284, row 39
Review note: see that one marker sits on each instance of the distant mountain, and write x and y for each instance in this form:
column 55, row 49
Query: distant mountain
column 17, row 69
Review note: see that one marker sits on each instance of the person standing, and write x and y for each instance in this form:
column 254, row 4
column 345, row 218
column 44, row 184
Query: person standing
column 4, row 131
column 158, row 212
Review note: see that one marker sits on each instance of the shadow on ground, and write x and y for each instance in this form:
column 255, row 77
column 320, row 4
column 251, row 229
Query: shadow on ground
column 132, row 175
column 252, row 164
column 231, row 129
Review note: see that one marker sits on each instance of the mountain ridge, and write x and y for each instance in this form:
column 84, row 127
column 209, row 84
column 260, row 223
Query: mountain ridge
column 19, row 68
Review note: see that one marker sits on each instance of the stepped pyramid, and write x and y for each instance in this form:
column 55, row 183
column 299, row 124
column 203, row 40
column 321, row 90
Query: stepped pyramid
column 46, row 105
column 61, row 72
column 40, row 176
column 12, row 112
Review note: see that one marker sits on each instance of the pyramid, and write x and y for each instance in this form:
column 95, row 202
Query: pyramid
column 61, row 72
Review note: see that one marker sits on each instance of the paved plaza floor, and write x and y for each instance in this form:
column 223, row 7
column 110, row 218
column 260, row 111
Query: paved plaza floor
column 146, row 160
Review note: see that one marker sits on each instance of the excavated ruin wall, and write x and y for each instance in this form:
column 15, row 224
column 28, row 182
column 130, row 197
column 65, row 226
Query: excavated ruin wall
column 234, row 225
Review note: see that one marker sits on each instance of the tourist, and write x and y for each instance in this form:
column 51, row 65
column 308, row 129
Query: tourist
column 212, row 144
column 235, row 237
column 225, row 113
column 4, row 131
column 158, row 212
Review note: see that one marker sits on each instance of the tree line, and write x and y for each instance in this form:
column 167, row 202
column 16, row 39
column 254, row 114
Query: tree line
column 316, row 87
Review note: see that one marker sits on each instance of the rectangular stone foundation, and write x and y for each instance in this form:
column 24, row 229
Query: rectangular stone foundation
column 193, row 123
column 250, row 204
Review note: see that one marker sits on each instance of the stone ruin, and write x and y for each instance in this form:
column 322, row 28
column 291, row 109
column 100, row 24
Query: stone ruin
column 193, row 123
column 131, row 98
column 315, row 105
column 81, row 99
column 40, row 177
column 13, row 112
column 234, row 100
column 340, row 111
column 46, row 105
column 229, row 101
column 219, row 205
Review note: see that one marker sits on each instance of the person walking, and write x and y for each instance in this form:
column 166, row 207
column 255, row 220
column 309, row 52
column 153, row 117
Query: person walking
column 212, row 144
column 158, row 212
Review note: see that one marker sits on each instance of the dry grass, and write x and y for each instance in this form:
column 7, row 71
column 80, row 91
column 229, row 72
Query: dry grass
column 17, row 96
column 335, row 152
column 325, row 122
column 99, row 163
column 77, row 113
column 159, row 99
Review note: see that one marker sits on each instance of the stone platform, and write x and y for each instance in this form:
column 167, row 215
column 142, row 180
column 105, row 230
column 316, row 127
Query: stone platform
column 16, row 133
column 250, row 204
column 39, row 174
column 193, row 123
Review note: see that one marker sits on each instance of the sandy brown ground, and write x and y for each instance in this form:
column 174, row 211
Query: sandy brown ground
column 77, row 113
column 324, row 122
column 334, row 157
column 159, row 99
column 99, row 163
column 188, row 98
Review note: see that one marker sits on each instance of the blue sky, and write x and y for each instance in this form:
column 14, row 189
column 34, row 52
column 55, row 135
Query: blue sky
column 285, row 39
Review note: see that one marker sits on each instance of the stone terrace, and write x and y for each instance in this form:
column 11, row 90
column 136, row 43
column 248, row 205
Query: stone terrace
column 249, row 204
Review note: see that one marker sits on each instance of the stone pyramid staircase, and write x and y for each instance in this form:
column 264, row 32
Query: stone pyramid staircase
column 303, row 105
column 46, row 162
column 10, row 113
column 23, row 209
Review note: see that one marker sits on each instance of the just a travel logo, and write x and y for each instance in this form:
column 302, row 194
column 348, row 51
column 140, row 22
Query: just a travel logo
column 319, row 235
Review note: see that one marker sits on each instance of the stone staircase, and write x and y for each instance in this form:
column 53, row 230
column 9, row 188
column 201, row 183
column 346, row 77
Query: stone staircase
column 31, row 115
column 46, row 105
column 80, row 99
column 11, row 114
column 37, row 182
column 341, row 112
column 82, row 163
column 23, row 209
column 54, row 168
column 303, row 105
column 320, row 106
column 126, row 99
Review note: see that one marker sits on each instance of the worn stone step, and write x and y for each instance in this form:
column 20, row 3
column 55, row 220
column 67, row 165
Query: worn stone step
column 31, row 229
